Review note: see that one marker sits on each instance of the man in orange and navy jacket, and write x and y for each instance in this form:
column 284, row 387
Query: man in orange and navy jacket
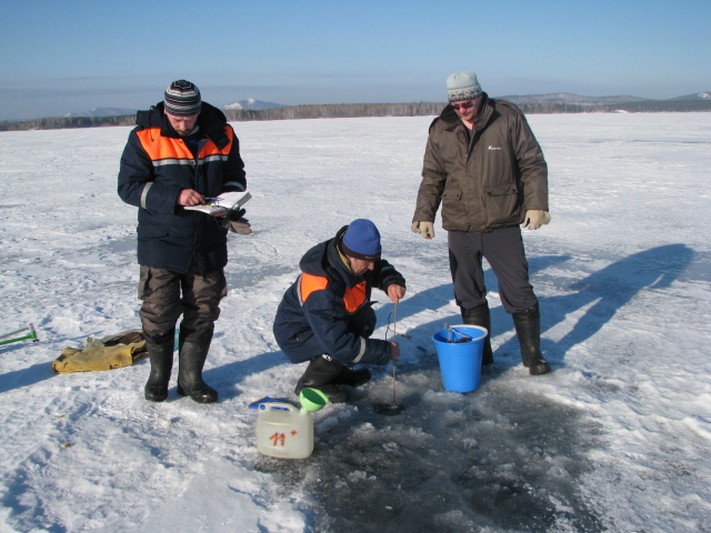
column 182, row 152
column 326, row 316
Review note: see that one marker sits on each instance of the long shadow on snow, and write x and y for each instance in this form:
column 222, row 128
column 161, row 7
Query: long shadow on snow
column 25, row 377
column 605, row 291
column 610, row 289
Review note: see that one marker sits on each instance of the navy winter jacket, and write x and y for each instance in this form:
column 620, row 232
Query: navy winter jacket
column 327, row 310
column 156, row 165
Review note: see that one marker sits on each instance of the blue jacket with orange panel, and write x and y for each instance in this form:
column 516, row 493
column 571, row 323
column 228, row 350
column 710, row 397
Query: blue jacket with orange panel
column 328, row 310
column 156, row 165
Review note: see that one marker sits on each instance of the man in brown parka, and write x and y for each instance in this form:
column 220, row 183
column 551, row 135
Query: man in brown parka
column 486, row 168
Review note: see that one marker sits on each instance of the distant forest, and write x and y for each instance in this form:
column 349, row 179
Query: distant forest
column 365, row 110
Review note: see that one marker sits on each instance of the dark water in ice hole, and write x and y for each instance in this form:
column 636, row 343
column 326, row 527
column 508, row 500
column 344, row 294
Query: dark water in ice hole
column 497, row 459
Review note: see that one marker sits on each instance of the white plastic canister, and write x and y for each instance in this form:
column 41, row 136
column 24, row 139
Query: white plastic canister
column 285, row 431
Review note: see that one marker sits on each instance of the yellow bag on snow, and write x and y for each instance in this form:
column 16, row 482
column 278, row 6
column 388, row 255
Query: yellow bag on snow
column 113, row 351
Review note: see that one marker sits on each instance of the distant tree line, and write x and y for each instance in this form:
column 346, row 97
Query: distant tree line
column 364, row 110
column 338, row 111
column 58, row 123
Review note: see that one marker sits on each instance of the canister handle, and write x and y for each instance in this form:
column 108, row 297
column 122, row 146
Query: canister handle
column 277, row 406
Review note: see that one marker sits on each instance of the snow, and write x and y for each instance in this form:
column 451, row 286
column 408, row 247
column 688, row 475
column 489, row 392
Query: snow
column 617, row 438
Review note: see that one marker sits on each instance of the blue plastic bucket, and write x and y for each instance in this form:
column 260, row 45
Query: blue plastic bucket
column 459, row 350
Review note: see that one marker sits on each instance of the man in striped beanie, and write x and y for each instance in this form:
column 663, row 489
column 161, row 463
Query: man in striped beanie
column 181, row 152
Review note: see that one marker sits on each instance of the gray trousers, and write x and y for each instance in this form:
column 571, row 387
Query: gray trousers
column 504, row 251
column 166, row 295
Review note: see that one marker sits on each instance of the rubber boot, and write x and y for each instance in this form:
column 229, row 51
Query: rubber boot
column 480, row 316
column 352, row 378
column 191, row 361
column 160, row 354
column 322, row 373
column 528, row 330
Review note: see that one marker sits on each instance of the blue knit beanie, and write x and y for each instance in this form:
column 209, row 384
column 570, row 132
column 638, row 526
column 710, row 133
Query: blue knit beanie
column 362, row 240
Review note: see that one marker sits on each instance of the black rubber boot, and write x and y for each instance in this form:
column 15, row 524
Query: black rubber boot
column 480, row 316
column 352, row 378
column 321, row 374
column 191, row 361
column 528, row 330
column 160, row 353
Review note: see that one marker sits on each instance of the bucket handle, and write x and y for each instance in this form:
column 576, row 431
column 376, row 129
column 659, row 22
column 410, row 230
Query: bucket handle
column 450, row 337
column 463, row 336
column 451, row 329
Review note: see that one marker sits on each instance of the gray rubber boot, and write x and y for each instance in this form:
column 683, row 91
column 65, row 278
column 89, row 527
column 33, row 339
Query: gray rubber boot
column 480, row 316
column 160, row 354
column 191, row 361
column 528, row 331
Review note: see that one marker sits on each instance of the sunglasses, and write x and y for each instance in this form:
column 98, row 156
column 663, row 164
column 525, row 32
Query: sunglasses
column 463, row 105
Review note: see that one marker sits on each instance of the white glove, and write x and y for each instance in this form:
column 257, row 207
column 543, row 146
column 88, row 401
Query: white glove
column 535, row 218
column 425, row 229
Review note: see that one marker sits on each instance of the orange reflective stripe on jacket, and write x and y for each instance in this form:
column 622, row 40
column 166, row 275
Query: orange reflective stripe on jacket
column 353, row 298
column 168, row 150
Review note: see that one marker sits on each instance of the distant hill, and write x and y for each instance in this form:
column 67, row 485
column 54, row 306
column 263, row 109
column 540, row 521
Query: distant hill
column 573, row 103
column 103, row 112
column 575, row 99
column 704, row 95
column 251, row 104
column 568, row 98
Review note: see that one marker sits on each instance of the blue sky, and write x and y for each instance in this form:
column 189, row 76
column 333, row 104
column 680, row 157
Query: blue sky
column 74, row 55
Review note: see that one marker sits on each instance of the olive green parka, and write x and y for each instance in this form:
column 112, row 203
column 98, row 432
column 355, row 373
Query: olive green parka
column 484, row 179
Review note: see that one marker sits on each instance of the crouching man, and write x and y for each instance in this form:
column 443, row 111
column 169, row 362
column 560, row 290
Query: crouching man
column 326, row 316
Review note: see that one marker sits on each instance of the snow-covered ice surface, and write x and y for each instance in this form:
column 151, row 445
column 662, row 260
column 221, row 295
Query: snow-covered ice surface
column 617, row 438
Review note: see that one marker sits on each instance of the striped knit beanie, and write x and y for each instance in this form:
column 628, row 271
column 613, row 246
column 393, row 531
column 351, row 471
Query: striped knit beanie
column 182, row 99
column 462, row 86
